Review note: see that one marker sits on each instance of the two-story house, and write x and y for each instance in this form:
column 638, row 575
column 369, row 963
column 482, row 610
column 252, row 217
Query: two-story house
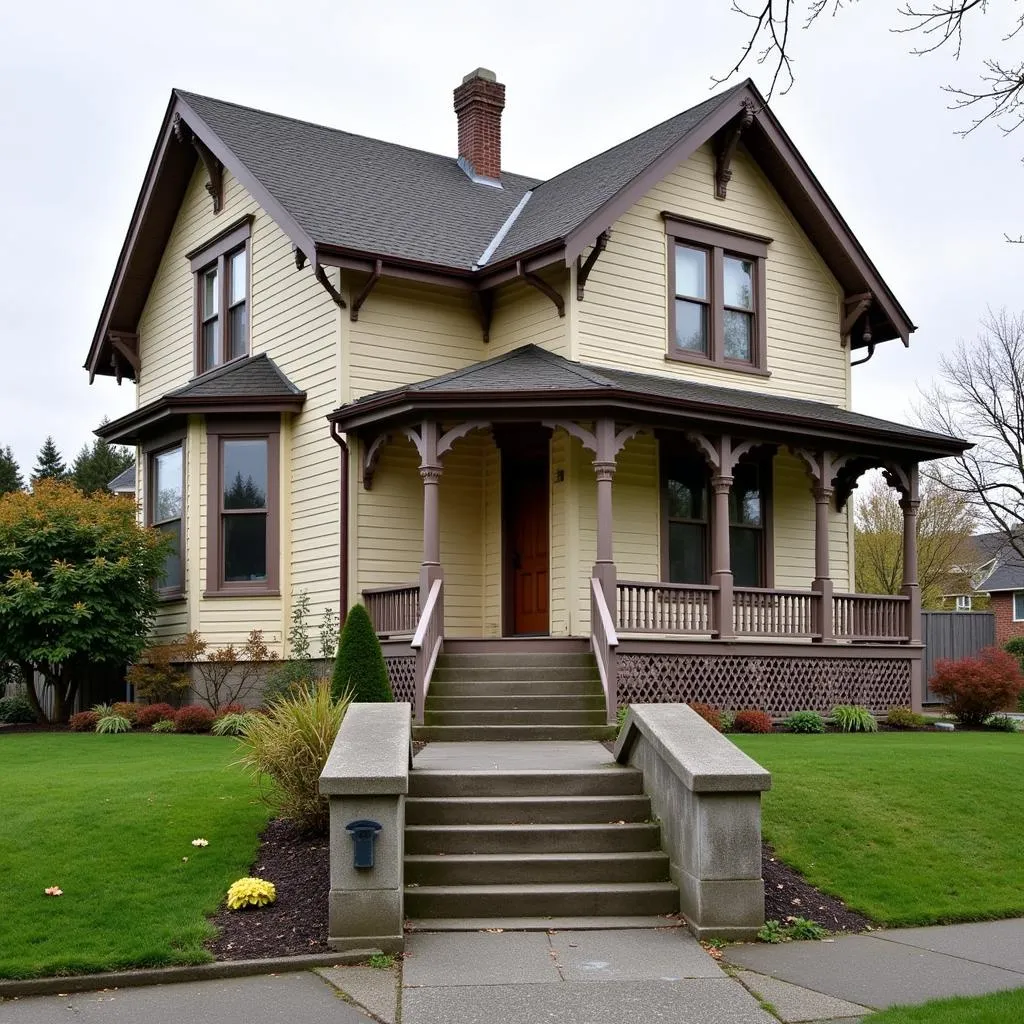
column 611, row 408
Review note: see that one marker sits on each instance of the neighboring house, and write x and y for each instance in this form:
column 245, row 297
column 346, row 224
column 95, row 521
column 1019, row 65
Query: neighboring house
column 965, row 593
column 124, row 482
column 614, row 402
column 1004, row 584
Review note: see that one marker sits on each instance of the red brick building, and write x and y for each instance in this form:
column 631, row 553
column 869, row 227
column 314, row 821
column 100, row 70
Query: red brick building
column 1005, row 587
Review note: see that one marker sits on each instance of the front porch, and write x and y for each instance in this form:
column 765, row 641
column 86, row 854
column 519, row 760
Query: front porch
column 699, row 543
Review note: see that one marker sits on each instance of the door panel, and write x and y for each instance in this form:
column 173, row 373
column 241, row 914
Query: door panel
column 527, row 533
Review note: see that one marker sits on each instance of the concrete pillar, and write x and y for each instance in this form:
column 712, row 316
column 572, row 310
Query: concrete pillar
column 822, row 584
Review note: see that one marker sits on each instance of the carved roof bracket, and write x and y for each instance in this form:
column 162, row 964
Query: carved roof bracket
column 542, row 286
column 371, row 281
column 483, row 303
column 125, row 346
column 726, row 149
column 300, row 258
column 325, row 282
column 214, row 168
column 584, row 267
column 854, row 307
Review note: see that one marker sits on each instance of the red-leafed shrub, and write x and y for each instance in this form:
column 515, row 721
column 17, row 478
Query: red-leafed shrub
column 148, row 715
column 193, row 718
column 127, row 709
column 231, row 709
column 710, row 715
column 84, row 721
column 752, row 721
column 976, row 687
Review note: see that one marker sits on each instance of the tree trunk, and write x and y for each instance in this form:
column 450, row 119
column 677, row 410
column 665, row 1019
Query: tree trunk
column 28, row 675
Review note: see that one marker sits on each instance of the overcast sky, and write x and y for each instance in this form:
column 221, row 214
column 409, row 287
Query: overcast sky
column 84, row 87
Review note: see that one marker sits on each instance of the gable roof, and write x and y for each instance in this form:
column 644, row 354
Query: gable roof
column 530, row 377
column 124, row 482
column 1008, row 569
column 347, row 200
column 251, row 384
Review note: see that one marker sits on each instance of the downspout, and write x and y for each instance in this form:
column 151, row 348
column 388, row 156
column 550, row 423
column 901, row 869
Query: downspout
column 871, row 352
column 342, row 524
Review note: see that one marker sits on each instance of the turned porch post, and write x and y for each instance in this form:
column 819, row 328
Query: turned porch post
column 910, row 503
column 822, row 584
column 604, row 470
column 721, row 556
column 430, row 471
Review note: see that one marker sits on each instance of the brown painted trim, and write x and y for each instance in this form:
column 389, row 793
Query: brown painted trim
column 224, row 241
column 201, row 259
column 343, row 535
column 782, row 648
column 705, row 233
column 157, row 446
column 396, row 407
column 219, row 429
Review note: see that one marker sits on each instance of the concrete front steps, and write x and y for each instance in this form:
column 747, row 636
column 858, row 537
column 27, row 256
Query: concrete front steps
column 515, row 690
column 533, row 847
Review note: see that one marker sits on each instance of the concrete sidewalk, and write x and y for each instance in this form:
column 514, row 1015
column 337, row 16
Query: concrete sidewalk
column 888, row 968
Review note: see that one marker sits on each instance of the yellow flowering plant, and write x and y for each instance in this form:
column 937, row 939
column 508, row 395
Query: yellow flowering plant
column 251, row 892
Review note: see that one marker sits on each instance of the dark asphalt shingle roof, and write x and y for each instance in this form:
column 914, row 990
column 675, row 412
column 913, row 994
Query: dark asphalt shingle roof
column 534, row 369
column 253, row 377
column 1008, row 571
column 124, row 482
column 358, row 193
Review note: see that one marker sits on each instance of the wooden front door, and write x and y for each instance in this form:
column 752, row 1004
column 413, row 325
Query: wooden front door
column 526, row 539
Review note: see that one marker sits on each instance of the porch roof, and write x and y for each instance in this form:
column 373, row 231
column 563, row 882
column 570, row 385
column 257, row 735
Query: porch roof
column 530, row 380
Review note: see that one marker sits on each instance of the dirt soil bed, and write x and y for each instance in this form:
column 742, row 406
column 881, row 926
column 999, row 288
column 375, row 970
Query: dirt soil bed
column 297, row 922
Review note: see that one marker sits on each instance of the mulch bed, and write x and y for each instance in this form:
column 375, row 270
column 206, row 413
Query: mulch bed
column 297, row 922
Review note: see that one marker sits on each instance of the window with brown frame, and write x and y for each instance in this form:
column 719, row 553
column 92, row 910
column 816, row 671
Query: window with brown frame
column 242, row 526
column 221, row 269
column 747, row 526
column 685, row 501
column 165, row 504
column 716, row 295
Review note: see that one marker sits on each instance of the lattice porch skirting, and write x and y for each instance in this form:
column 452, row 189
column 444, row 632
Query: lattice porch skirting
column 776, row 683
column 402, row 673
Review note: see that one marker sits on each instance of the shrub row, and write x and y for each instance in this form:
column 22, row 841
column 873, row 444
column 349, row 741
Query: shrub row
column 193, row 718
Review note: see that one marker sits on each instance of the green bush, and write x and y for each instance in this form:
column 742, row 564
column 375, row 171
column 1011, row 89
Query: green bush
column 728, row 720
column 232, row 724
column 801, row 928
column 1015, row 648
column 1001, row 723
column 111, row 724
column 853, row 718
column 359, row 668
column 290, row 744
column 286, row 678
column 620, row 718
column 16, row 710
column 805, row 721
column 904, row 718
column 163, row 725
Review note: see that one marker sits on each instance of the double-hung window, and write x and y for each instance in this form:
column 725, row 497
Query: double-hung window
column 1018, row 606
column 221, row 269
column 746, row 526
column 242, row 529
column 165, row 502
column 716, row 295
column 686, row 520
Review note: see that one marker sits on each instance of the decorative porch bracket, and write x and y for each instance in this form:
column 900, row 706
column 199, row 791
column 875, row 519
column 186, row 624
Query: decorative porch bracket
column 371, row 457
column 542, row 286
column 727, row 149
column 214, row 168
column 483, row 302
column 604, row 442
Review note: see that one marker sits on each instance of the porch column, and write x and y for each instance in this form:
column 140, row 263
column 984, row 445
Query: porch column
column 721, row 556
column 910, row 504
column 430, row 472
column 604, row 471
column 822, row 584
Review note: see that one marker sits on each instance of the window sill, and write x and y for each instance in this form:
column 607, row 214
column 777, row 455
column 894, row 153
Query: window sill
column 679, row 356
column 243, row 592
column 170, row 596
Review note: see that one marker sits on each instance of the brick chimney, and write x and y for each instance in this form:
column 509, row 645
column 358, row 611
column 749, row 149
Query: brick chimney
column 479, row 102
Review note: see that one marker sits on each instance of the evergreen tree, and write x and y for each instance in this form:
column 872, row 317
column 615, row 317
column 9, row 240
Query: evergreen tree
column 359, row 666
column 49, row 463
column 10, row 473
column 95, row 467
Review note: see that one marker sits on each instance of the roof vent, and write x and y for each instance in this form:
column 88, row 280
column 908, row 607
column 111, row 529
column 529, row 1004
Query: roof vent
column 479, row 102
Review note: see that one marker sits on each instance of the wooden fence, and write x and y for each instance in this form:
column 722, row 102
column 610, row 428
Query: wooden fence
column 953, row 635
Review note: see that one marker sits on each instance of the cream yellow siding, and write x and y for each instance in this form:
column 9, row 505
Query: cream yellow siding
column 523, row 315
column 623, row 319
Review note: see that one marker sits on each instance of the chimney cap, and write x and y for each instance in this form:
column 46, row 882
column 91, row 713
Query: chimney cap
column 484, row 73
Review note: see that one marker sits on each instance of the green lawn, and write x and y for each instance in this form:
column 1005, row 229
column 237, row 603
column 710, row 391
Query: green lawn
column 110, row 820
column 908, row 828
column 1001, row 1008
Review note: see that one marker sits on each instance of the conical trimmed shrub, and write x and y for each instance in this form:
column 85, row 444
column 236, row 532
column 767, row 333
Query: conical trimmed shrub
column 359, row 664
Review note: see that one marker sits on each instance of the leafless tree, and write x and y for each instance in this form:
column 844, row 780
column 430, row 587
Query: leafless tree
column 979, row 395
column 998, row 94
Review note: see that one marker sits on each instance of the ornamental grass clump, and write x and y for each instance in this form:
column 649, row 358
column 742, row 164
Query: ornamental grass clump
column 904, row 718
column 290, row 745
column 853, row 718
column 164, row 725
column 112, row 724
column 232, row 724
column 251, row 892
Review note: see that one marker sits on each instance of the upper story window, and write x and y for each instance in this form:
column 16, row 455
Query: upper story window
column 716, row 296
column 221, row 269
column 1018, row 606
column 963, row 602
column 165, row 503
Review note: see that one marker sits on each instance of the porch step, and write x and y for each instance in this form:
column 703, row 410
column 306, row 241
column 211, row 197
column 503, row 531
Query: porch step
column 513, row 716
column 578, row 899
column 535, row 868
column 583, row 838
column 540, row 924
column 516, row 701
column 514, row 687
column 611, row 781
column 561, row 659
column 447, row 672
column 510, row 810
column 501, row 733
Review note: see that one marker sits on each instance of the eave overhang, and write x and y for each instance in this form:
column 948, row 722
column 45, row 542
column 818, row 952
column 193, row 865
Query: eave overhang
column 373, row 415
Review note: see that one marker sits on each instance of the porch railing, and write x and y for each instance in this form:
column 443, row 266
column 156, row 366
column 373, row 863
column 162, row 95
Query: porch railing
column 604, row 640
column 664, row 607
column 393, row 610
column 427, row 643
column 758, row 611
column 871, row 617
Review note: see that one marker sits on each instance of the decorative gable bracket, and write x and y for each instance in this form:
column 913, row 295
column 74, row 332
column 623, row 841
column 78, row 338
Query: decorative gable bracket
column 214, row 168
column 124, row 349
column 542, row 286
column 854, row 307
column 584, row 267
column 726, row 149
